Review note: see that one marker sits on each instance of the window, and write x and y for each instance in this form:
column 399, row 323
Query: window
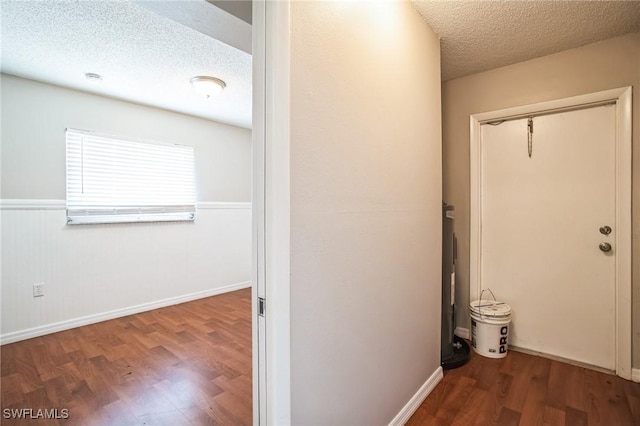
column 113, row 179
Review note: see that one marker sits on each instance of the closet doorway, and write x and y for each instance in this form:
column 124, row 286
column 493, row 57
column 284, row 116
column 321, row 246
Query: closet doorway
column 552, row 197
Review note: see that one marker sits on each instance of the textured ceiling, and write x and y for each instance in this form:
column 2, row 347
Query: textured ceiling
column 147, row 51
column 143, row 56
column 481, row 35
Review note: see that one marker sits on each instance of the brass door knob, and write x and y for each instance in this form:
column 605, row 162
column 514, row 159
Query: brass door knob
column 605, row 230
column 605, row 247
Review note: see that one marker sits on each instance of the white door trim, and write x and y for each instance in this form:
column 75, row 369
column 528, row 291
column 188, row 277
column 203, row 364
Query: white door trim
column 277, row 212
column 622, row 97
column 271, row 212
column 258, row 337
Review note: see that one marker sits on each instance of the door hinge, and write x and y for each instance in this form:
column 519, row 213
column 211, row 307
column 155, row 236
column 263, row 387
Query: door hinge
column 262, row 306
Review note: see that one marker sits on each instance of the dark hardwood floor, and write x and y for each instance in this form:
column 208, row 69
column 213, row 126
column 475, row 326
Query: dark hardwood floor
column 524, row 390
column 188, row 364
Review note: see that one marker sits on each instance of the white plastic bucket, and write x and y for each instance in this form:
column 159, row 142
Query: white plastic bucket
column 490, row 327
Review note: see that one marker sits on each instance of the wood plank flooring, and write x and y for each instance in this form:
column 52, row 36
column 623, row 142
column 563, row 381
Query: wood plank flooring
column 524, row 390
column 188, row 364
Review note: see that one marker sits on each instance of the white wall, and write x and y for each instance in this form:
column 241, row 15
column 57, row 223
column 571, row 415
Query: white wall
column 35, row 115
column 592, row 68
column 365, row 165
column 94, row 272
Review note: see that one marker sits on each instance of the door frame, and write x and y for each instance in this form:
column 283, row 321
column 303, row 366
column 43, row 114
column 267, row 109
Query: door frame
column 622, row 98
column 271, row 212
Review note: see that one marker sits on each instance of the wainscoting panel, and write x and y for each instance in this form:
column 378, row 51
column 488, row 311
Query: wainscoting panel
column 89, row 270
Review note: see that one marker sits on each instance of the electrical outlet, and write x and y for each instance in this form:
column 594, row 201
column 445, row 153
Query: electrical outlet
column 38, row 289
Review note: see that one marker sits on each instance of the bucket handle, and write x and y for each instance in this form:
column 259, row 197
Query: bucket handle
column 480, row 304
column 489, row 290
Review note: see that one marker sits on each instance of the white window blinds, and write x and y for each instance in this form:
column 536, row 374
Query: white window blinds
column 113, row 179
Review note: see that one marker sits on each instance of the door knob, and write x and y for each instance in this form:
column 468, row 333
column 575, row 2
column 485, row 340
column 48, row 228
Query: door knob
column 605, row 247
column 606, row 230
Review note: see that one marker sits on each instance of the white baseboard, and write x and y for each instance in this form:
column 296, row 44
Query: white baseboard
column 407, row 411
column 29, row 333
column 635, row 375
column 462, row 332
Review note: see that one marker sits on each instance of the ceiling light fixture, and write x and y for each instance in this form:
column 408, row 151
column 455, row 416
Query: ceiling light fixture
column 93, row 77
column 208, row 86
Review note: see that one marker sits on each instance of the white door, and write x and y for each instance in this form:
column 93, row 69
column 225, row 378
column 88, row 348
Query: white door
column 540, row 231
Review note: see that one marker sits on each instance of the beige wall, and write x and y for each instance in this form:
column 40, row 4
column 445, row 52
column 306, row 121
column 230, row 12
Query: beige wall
column 365, row 210
column 35, row 115
column 595, row 67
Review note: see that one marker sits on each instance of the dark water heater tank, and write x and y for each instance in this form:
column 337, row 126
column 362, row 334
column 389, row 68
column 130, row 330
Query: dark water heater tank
column 454, row 351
